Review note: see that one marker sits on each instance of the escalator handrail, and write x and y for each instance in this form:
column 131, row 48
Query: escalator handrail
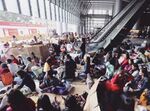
column 103, row 27
column 116, row 16
column 101, row 38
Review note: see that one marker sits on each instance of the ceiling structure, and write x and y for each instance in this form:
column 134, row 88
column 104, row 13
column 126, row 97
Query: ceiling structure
column 97, row 4
column 81, row 7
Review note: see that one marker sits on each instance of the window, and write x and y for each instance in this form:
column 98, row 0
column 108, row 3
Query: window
column 90, row 11
column 60, row 10
column 96, row 22
column 53, row 11
column 25, row 7
column 48, row 9
column 70, row 17
column 73, row 19
column 110, row 12
column 57, row 13
column 96, row 11
column 12, row 6
column 64, row 15
column 1, row 5
column 42, row 11
column 34, row 8
column 100, row 12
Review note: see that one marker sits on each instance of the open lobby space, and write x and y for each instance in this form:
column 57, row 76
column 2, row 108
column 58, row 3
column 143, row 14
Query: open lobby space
column 74, row 55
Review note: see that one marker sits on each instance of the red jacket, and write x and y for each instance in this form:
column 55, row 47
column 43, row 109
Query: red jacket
column 117, row 83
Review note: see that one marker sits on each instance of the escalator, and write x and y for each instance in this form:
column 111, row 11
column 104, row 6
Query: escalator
column 116, row 30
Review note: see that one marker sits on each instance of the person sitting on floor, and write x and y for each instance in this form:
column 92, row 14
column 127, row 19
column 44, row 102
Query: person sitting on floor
column 28, row 67
column 108, row 56
column 5, row 69
column 34, row 58
column 5, row 75
column 137, row 86
column 13, row 67
column 125, row 60
column 44, row 104
column 117, row 83
column 109, row 70
column 21, row 62
column 26, row 81
column 45, row 82
column 70, row 68
column 87, row 65
column 48, row 68
column 141, row 58
column 14, row 60
column 72, row 104
column 128, row 68
column 135, row 70
column 18, row 102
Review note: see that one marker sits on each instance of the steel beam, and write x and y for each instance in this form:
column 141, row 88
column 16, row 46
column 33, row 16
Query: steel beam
column 38, row 7
column 45, row 11
column 19, row 7
column 30, row 8
column 4, row 5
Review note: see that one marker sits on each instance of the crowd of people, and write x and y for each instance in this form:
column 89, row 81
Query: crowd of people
column 123, row 74
column 126, row 77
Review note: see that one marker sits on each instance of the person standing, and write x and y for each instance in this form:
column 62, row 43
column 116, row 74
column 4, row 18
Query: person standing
column 83, row 48
column 13, row 58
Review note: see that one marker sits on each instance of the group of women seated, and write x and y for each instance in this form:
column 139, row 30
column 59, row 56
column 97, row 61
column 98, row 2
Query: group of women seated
column 126, row 77
column 123, row 73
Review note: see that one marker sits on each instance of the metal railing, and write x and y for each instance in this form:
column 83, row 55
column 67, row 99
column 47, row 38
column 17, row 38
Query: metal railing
column 112, row 21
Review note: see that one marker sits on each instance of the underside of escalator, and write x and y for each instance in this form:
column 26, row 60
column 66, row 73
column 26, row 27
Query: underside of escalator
column 119, row 29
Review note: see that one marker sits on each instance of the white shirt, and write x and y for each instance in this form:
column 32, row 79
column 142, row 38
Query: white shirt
column 13, row 67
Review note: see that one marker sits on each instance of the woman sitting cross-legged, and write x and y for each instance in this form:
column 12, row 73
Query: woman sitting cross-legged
column 137, row 86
